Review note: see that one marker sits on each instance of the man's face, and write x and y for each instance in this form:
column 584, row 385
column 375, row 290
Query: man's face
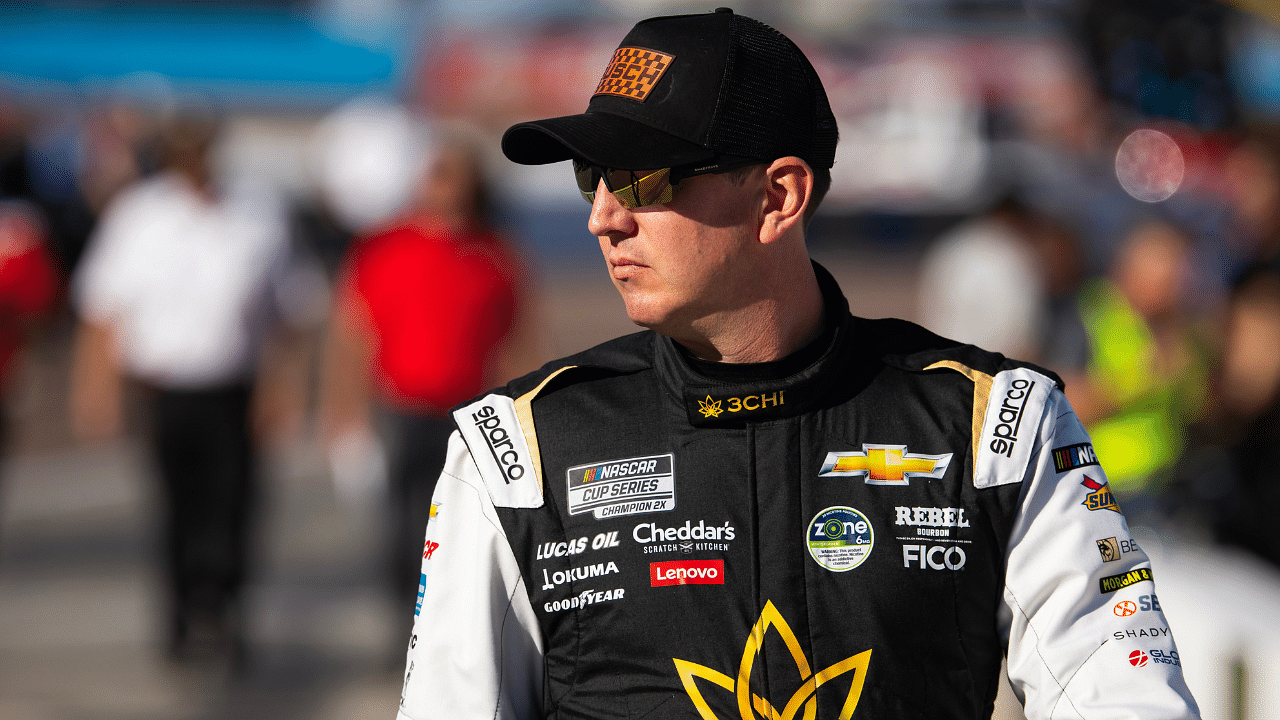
column 681, row 265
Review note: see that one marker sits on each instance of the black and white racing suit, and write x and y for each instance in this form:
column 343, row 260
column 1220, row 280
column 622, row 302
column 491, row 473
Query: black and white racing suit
column 622, row 536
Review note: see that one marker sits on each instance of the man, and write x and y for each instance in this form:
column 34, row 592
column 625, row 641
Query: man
column 180, row 291
column 767, row 507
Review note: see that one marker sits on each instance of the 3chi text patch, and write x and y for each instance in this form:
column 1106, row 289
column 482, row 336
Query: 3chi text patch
column 623, row 487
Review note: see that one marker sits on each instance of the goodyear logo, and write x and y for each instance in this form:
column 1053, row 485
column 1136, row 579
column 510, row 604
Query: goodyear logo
column 1073, row 456
column 802, row 703
column 1101, row 497
column 885, row 465
column 1112, row 583
column 633, row 72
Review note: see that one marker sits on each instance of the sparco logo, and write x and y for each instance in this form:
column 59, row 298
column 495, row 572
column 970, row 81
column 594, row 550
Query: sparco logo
column 1005, row 433
column 498, row 438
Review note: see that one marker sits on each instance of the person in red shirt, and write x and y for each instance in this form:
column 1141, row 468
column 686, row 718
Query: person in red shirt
column 425, row 317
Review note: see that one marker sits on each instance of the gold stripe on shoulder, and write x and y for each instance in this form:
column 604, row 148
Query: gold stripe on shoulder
column 981, row 395
column 524, row 414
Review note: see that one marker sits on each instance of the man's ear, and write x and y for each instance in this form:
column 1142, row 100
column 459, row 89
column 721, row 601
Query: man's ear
column 788, row 191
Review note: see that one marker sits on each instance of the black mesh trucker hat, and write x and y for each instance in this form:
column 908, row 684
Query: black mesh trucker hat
column 689, row 89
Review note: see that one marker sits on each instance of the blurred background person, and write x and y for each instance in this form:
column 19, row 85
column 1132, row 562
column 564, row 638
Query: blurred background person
column 981, row 282
column 29, row 286
column 430, row 310
column 178, row 291
column 1147, row 378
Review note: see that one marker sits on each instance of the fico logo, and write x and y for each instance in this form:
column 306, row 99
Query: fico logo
column 1137, row 658
column 936, row 557
column 686, row 572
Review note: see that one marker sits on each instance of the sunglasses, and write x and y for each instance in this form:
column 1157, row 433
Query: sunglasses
column 643, row 188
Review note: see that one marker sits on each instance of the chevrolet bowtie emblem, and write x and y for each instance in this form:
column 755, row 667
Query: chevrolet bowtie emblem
column 804, row 696
column 885, row 465
column 709, row 408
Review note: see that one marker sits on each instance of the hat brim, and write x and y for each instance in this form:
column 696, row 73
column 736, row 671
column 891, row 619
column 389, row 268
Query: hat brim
column 601, row 139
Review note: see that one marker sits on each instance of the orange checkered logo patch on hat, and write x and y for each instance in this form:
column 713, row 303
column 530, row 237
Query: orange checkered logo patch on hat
column 633, row 72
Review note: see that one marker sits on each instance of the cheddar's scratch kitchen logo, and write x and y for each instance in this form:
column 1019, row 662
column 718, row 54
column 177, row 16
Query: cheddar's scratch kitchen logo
column 749, row 703
column 885, row 465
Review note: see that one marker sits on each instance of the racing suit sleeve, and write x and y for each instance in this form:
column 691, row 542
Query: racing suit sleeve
column 1086, row 636
column 476, row 651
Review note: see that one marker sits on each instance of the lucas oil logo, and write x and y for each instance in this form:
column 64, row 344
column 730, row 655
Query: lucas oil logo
column 884, row 465
column 840, row 538
column 623, row 487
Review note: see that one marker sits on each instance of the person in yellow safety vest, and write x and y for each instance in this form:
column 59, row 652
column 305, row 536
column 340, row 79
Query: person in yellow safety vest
column 1147, row 375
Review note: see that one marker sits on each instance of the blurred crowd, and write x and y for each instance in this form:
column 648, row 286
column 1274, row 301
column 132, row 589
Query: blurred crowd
column 212, row 314
column 1129, row 241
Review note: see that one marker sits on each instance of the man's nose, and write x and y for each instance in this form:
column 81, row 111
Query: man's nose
column 608, row 216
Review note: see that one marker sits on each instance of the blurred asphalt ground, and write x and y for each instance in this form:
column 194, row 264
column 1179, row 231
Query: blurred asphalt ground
column 81, row 599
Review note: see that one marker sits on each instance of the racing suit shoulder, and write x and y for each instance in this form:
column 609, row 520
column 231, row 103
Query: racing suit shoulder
column 499, row 430
column 1010, row 397
column 908, row 346
column 627, row 354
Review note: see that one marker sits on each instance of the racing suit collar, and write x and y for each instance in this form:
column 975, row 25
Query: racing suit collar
column 715, row 394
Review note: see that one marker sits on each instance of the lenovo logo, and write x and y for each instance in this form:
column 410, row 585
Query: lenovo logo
column 686, row 572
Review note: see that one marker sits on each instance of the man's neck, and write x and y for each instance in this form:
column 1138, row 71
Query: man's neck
column 767, row 330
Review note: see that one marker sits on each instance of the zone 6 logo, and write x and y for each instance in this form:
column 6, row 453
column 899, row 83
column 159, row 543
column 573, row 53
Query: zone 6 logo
column 1137, row 658
column 1125, row 608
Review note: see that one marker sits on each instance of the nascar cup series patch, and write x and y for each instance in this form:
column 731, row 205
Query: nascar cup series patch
column 623, row 487
column 840, row 538
column 493, row 433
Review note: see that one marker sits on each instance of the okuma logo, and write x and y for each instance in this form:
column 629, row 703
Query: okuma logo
column 750, row 704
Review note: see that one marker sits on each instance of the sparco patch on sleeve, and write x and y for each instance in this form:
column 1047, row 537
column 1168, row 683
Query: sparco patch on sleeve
column 633, row 72
column 1014, row 407
column 497, row 442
